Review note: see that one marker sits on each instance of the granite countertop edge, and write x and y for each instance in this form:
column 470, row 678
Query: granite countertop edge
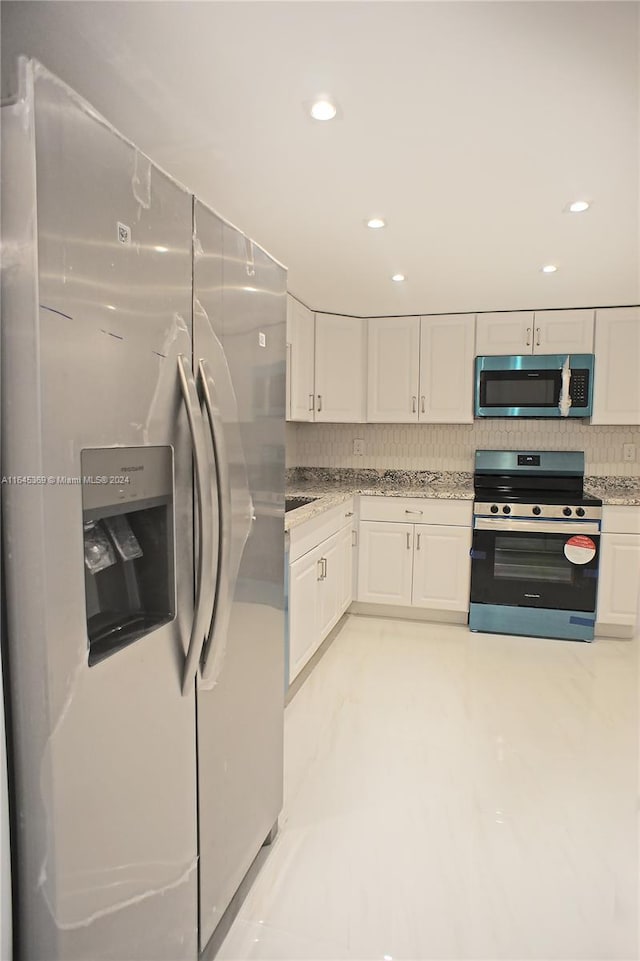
column 614, row 491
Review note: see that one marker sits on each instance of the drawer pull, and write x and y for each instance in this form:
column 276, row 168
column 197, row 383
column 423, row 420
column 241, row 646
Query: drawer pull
column 413, row 512
column 349, row 514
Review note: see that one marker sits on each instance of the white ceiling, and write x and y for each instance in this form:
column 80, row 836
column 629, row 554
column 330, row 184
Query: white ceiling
column 467, row 125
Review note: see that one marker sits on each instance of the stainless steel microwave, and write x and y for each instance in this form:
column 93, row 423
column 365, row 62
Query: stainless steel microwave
column 545, row 385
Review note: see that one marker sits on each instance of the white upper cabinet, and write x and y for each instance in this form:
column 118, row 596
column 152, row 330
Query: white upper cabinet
column 394, row 360
column 616, row 397
column 421, row 369
column 563, row 332
column 446, row 369
column 504, row 333
column 340, row 374
column 300, row 361
column 542, row 332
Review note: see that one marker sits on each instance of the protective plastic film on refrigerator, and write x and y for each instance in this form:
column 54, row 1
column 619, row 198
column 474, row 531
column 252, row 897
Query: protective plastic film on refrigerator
column 134, row 555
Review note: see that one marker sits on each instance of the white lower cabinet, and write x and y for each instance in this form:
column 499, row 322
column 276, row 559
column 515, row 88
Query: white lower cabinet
column 385, row 562
column 441, row 568
column 320, row 582
column 304, row 610
column 619, row 574
column 423, row 564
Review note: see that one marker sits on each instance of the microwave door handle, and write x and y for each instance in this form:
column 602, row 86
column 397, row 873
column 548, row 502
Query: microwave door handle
column 219, row 616
column 199, row 624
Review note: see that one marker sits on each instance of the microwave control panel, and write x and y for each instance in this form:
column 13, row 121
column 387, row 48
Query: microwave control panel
column 579, row 388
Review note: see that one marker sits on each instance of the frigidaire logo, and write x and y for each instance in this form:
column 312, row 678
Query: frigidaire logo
column 137, row 467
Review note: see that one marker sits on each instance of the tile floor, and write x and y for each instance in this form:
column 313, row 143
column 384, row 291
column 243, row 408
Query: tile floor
column 454, row 795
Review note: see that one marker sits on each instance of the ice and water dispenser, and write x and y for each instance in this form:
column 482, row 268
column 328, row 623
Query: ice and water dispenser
column 127, row 514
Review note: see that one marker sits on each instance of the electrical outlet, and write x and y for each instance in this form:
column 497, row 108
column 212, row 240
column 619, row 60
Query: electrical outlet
column 628, row 451
column 358, row 447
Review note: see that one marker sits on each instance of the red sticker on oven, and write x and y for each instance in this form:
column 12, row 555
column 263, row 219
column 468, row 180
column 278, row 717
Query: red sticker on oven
column 580, row 549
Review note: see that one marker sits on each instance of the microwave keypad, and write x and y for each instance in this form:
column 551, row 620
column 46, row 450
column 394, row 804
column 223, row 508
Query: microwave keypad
column 579, row 387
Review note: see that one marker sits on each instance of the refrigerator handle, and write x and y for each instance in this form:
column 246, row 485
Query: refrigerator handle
column 205, row 521
column 220, row 613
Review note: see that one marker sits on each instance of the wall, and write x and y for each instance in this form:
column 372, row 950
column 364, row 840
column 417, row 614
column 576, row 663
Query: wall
column 452, row 446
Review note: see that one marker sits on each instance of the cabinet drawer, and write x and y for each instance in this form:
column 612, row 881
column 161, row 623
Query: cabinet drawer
column 417, row 510
column 619, row 519
column 308, row 535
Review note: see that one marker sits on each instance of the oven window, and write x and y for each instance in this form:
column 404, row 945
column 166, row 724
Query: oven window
column 531, row 559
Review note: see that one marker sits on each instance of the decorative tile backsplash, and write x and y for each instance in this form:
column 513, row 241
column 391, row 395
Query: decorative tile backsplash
column 450, row 447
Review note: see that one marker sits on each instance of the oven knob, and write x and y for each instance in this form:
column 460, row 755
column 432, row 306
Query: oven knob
column 566, row 511
column 494, row 508
column 580, row 511
column 537, row 510
column 506, row 509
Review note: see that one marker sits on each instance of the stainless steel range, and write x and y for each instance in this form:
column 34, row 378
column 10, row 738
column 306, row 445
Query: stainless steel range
column 536, row 545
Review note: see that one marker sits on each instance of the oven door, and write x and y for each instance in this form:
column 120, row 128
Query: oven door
column 524, row 563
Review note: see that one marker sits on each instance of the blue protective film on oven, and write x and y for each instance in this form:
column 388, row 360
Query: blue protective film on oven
column 478, row 555
column 585, row 621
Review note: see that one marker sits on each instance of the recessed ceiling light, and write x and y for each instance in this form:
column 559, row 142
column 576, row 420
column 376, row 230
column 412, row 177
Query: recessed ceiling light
column 162, row 250
column 398, row 278
column 323, row 110
column 110, row 307
column 375, row 223
column 549, row 269
column 578, row 206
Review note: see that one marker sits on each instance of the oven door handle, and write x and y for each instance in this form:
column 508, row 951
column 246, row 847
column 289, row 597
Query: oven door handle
column 526, row 526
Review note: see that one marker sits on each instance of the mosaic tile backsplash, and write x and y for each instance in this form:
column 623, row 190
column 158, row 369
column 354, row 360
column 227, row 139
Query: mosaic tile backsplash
column 450, row 447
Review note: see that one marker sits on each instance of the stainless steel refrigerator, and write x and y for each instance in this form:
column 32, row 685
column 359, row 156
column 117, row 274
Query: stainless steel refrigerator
column 143, row 372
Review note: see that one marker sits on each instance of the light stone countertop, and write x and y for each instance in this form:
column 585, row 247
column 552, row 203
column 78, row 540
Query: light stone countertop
column 332, row 490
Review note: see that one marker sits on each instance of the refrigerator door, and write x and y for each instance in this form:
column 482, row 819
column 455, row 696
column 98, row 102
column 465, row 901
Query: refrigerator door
column 96, row 311
column 239, row 349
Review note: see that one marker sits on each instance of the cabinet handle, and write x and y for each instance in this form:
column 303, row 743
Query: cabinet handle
column 311, row 404
column 324, row 568
column 413, row 512
column 528, row 336
column 354, row 538
column 414, row 405
column 422, row 404
column 537, row 336
column 408, row 541
column 319, row 402
column 417, row 542
column 319, row 569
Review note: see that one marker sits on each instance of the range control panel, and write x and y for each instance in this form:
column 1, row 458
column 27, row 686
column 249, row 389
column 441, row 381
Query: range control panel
column 579, row 512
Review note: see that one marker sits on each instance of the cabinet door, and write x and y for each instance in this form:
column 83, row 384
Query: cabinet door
column 330, row 585
column 345, row 586
column 385, row 563
column 304, row 599
column 442, row 567
column 340, row 369
column 300, row 361
column 616, row 397
column 563, row 332
column 446, row 369
column 619, row 579
column 504, row 333
column 394, row 356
